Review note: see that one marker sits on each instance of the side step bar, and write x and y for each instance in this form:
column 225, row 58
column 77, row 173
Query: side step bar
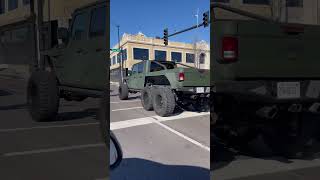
column 81, row 91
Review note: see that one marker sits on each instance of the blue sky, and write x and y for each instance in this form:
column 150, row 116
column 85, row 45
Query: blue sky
column 152, row 16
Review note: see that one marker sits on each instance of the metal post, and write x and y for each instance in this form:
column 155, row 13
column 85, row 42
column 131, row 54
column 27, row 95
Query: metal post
column 121, row 63
column 35, row 33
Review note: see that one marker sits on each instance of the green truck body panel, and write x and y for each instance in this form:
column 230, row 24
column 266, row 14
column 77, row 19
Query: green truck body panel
column 193, row 77
column 267, row 55
column 265, row 51
column 82, row 61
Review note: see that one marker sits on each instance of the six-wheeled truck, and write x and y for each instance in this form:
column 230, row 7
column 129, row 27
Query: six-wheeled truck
column 165, row 85
column 75, row 70
column 265, row 81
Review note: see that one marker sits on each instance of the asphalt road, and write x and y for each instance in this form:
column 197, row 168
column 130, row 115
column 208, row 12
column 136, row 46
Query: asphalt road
column 156, row 148
column 68, row 148
column 229, row 164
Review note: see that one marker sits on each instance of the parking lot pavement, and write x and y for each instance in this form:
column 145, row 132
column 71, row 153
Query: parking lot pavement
column 175, row 147
column 230, row 165
column 69, row 148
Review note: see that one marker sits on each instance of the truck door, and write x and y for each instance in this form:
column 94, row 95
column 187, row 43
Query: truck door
column 133, row 77
column 70, row 66
column 96, row 73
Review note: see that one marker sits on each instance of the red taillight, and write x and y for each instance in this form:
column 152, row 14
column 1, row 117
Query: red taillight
column 181, row 76
column 230, row 49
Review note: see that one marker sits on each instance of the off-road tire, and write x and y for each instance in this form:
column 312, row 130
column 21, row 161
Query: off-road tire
column 123, row 91
column 163, row 101
column 146, row 98
column 43, row 96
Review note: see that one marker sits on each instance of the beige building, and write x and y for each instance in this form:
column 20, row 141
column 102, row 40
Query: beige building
column 138, row 46
column 296, row 11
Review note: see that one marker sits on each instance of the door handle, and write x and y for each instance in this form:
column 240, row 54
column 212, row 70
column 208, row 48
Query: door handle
column 99, row 50
column 81, row 51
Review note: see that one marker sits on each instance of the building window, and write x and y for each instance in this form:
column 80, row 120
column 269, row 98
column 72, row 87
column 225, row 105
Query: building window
column 114, row 60
column 189, row 58
column 262, row 2
column 124, row 54
column 13, row 4
column 98, row 22
column 176, row 56
column 119, row 57
column 160, row 55
column 2, row 6
column 142, row 54
column 26, row 2
column 202, row 58
column 294, row 3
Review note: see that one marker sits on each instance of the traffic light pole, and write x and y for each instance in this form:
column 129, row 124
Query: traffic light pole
column 204, row 24
column 185, row 30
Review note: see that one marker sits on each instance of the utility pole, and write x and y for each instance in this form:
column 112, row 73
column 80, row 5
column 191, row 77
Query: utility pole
column 120, row 55
column 197, row 16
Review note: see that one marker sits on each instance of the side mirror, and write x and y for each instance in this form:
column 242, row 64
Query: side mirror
column 115, row 152
column 63, row 34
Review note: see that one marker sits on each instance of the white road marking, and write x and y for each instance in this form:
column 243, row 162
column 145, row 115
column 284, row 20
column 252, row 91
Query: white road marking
column 149, row 120
column 66, row 148
column 182, row 135
column 124, row 109
column 47, row 127
column 158, row 120
column 126, row 101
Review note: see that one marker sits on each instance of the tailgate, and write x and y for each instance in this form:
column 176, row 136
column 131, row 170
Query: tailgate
column 195, row 78
column 268, row 50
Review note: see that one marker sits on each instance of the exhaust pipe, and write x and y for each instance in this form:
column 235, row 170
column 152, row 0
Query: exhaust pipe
column 267, row 112
column 315, row 107
column 295, row 108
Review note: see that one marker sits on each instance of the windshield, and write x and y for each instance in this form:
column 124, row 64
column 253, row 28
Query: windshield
column 262, row 10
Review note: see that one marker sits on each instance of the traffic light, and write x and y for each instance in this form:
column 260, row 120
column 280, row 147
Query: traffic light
column 165, row 36
column 206, row 19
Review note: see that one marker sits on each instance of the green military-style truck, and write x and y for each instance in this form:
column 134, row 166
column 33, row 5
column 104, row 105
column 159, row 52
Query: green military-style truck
column 165, row 85
column 265, row 80
column 77, row 68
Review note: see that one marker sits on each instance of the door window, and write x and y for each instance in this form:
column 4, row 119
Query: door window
column 135, row 69
column 79, row 27
column 98, row 22
column 140, row 67
column 155, row 67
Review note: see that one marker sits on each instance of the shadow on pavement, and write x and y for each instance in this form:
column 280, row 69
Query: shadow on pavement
column 129, row 98
column 67, row 116
column 141, row 169
column 13, row 107
column 222, row 156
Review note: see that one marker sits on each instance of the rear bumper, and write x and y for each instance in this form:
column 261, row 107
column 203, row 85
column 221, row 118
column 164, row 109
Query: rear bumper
column 266, row 91
column 194, row 90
